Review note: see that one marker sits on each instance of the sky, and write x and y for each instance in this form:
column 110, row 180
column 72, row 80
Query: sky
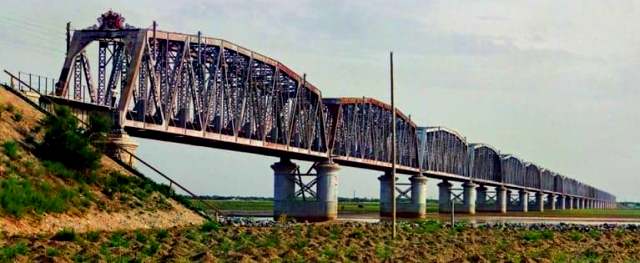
column 553, row 82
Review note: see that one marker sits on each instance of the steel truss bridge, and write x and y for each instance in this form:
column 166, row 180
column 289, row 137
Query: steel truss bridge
column 210, row 92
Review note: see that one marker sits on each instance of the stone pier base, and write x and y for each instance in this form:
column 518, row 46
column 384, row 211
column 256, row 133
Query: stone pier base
column 116, row 142
column 285, row 203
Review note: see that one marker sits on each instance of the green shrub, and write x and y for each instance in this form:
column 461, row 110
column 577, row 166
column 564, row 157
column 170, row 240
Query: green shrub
column 20, row 196
column 535, row 235
column 140, row 236
column 52, row 252
column 210, row 226
column 594, row 233
column 99, row 126
column 162, row 234
column 575, row 236
column 383, row 252
column 9, row 108
column 151, row 248
column 66, row 234
column 117, row 240
column 92, row 236
column 17, row 116
column 8, row 253
column 66, row 143
column 460, row 226
column 11, row 149
column 428, row 226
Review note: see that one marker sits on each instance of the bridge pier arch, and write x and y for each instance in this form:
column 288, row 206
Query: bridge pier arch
column 415, row 206
column 320, row 205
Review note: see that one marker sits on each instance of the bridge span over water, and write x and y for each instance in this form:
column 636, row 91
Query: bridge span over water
column 193, row 89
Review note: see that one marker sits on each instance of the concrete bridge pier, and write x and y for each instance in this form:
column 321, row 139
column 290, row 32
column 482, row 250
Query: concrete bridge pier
column 483, row 203
column 539, row 202
column 322, row 207
column 416, row 208
column 468, row 205
column 444, row 197
column 501, row 199
column 551, row 202
column 561, row 202
column 469, row 198
column 327, row 191
column 523, row 202
column 283, row 187
column 570, row 202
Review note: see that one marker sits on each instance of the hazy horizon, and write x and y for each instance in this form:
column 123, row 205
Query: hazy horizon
column 551, row 82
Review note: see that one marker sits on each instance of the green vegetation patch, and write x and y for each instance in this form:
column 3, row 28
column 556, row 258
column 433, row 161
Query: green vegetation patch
column 9, row 253
column 332, row 243
column 10, row 149
column 19, row 196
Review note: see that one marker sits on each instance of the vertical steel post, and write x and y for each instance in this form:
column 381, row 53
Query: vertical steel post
column 68, row 37
column 453, row 211
column 393, row 149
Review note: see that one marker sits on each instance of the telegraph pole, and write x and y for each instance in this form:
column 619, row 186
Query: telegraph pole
column 393, row 150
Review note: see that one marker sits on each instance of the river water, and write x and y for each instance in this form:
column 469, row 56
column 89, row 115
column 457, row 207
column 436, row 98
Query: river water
column 476, row 219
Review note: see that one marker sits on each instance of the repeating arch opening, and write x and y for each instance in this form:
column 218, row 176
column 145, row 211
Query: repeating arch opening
column 442, row 150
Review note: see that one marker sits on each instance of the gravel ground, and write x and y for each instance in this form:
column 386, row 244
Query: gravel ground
column 266, row 241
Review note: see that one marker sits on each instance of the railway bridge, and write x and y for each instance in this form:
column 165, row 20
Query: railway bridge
column 205, row 91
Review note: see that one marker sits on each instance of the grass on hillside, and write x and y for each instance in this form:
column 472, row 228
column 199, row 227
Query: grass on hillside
column 36, row 178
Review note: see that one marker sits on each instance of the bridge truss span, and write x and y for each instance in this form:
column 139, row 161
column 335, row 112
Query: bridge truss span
column 192, row 89
column 360, row 133
column 204, row 88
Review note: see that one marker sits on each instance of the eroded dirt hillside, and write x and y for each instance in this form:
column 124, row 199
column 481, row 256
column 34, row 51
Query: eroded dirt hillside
column 43, row 196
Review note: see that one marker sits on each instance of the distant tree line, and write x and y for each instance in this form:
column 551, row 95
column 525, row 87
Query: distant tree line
column 262, row 198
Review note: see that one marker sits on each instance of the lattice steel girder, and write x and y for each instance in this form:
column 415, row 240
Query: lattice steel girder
column 442, row 150
column 209, row 91
column 484, row 162
column 360, row 128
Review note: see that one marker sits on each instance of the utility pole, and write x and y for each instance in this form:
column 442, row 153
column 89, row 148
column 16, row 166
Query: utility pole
column 393, row 150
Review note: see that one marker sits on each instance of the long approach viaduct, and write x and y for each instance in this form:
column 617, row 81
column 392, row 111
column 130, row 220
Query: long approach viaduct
column 210, row 92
